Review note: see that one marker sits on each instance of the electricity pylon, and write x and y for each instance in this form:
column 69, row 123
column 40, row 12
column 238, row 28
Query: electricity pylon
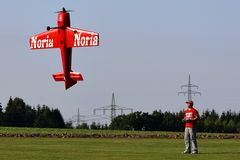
column 189, row 90
column 1, row 107
column 113, row 108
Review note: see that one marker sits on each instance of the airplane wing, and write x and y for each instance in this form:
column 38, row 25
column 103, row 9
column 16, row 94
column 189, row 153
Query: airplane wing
column 45, row 40
column 81, row 38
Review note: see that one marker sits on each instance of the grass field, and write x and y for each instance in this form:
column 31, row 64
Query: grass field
column 113, row 149
column 136, row 145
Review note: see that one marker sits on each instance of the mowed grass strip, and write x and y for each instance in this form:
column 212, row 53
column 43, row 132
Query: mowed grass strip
column 113, row 149
column 54, row 131
column 85, row 133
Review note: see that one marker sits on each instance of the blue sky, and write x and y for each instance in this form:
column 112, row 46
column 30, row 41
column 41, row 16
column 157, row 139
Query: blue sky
column 147, row 50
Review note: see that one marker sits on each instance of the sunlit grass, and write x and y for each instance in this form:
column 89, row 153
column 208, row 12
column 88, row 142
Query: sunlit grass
column 113, row 149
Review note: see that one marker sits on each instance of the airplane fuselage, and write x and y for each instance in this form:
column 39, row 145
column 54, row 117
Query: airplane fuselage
column 65, row 37
column 66, row 53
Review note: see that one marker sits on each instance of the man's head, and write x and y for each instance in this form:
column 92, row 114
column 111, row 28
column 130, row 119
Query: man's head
column 189, row 103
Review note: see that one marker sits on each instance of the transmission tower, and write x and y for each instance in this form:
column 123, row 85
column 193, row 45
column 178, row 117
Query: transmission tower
column 189, row 90
column 1, row 107
column 78, row 118
column 113, row 108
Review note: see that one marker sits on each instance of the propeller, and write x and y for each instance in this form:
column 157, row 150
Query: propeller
column 64, row 10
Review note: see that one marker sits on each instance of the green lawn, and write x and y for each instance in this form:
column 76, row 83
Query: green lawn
column 113, row 149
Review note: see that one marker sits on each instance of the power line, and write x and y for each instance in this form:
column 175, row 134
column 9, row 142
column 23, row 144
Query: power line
column 77, row 119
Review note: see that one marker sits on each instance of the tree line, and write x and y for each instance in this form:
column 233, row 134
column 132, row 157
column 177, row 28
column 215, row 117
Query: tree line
column 209, row 121
column 19, row 114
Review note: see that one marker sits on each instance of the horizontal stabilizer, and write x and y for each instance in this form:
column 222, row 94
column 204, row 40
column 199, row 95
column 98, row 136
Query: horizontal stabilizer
column 73, row 75
column 59, row 77
column 76, row 76
column 70, row 79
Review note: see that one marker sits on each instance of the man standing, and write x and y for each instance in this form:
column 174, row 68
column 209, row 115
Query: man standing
column 190, row 118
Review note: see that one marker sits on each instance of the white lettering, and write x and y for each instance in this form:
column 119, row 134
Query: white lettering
column 33, row 41
column 41, row 43
column 91, row 42
column 95, row 41
column 82, row 41
column 77, row 39
column 50, row 43
column 189, row 115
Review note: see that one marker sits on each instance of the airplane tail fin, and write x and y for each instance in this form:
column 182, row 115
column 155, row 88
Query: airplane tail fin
column 69, row 80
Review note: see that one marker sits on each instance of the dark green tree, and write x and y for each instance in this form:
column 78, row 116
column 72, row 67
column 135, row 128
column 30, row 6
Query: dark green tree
column 68, row 124
column 18, row 113
column 57, row 118
column 94, row 126
column 83, row 126
column 48, row 118
column 210, row 121
column 1, row 115
column 121, row 122
column 105, row 127
column 43, row 119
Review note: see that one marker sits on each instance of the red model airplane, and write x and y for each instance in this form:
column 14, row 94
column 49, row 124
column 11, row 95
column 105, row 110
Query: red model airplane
column 65, row 37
